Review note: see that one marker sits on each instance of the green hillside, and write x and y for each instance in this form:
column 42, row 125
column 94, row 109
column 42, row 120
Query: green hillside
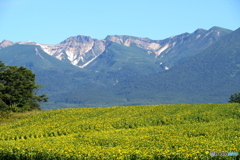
column 46, row 67
column 192, row 45
column 136, row 132
column 132, row 77
column 32, row 57
column 120, row 62
column 210, row 76
column 56, row 76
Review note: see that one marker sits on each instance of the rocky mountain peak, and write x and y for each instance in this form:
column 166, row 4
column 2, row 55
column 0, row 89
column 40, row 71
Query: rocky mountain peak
column 78, row 50
column 219, row 31
column 81, row 50
column 216, row 28
column 200, row 31
column 6, row 43
column 78, row 39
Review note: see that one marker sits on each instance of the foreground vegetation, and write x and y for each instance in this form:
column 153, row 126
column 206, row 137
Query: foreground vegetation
column 18, row 89
column 136, row 132
column 10, row 116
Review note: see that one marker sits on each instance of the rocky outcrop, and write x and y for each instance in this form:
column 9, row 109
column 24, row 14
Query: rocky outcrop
column 78, row 50
column 145, row 43
column 6, row 43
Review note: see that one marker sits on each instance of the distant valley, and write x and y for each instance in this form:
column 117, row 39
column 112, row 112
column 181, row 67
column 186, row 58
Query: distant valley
column 198, row 67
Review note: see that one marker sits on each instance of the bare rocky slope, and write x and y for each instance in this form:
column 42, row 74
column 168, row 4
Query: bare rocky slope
column 82, row 50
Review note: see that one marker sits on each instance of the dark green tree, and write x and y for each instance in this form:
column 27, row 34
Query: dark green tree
column 18, row 89
column 235, row 98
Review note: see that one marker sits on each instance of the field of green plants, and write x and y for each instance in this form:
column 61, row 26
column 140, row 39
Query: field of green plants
column 180, row 131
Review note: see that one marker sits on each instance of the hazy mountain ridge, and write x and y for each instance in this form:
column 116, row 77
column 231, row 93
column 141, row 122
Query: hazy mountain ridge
column 82, row 50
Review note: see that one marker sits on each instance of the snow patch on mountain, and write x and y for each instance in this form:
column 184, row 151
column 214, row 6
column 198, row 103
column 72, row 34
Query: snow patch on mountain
column 88, row 62
column 162, row 49
column 198, row 36
column 77, row 49
column 37, row 53
column 166, row 68
column 49, row 49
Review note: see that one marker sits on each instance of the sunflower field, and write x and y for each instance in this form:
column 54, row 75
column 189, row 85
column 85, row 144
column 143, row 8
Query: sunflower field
column 182, row 131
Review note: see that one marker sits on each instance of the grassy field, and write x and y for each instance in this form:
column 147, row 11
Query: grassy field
column 180, row 131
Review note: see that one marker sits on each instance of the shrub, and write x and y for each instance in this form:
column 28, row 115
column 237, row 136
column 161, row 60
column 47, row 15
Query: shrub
column 235, row 98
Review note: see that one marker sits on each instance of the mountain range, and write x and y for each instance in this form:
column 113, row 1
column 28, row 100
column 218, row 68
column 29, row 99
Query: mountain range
column 198, row 67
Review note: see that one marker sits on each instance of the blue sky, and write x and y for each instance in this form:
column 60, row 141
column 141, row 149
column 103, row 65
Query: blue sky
column 52, row 21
